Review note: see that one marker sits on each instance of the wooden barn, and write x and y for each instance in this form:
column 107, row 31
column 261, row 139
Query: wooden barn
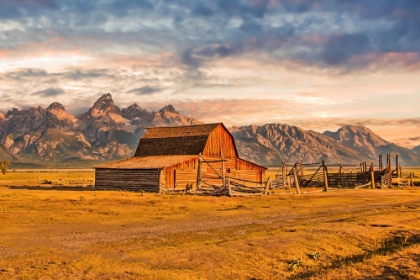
column 179, row 158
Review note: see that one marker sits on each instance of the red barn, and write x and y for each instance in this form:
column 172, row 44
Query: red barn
column 179, row 158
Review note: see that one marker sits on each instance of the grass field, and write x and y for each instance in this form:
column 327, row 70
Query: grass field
column 354, row 234
column 48, row 177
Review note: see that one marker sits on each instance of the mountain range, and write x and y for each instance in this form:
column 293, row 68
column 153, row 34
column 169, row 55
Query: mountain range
column 105, row 132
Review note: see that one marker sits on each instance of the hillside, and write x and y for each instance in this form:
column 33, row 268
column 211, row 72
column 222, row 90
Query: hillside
column 366, row 142
column 104, row 132
column 416, row 149
column 272, row 143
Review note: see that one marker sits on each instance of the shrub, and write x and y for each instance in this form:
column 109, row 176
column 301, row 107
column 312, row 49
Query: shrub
column 3, row 166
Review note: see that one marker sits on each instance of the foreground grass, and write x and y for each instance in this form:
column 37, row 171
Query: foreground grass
column 363, row 234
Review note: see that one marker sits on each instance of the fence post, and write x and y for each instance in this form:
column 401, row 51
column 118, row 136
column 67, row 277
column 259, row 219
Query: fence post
column 341, row 175
column 302, row 172
column 389, row 169
column 325, row 176
column 411, row 179
column 380, row 162
column 296, row 178
column 283, row 170
column 223, row 172
column 268, row 184
column 229, row 187
column 372, row 179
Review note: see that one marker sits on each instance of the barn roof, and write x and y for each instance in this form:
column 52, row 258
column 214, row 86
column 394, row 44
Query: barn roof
column 150, row 162
column 180, row 140
column 178, row 131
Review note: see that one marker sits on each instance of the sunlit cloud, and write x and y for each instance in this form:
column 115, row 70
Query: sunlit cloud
column 316, row 64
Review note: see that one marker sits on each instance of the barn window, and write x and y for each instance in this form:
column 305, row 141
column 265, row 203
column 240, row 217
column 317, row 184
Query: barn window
column 227, row 170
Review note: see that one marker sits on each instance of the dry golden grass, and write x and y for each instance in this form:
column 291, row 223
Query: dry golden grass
column 361, row 234
column 48, row 177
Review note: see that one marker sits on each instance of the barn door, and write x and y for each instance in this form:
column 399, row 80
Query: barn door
column 259, row 176
column 171, row 178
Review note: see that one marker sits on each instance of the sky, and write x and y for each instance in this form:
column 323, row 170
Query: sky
column 316, row 64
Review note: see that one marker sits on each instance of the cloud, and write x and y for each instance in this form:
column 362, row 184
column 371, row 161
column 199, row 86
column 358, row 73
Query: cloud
column 26, row 73
column 341, row 47
column 145, row 90
column 68, row 74
column 49, row 92
column 79, row 74
column 355, row 34
column 203, row 11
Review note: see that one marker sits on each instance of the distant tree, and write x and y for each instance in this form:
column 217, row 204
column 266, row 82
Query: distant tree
column 3, row 166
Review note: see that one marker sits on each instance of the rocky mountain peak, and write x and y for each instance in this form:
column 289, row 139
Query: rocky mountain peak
column 353, row 129
column 56, row 116
column 13, row 112
column 2, row 117
column 357, row 135
column 137, row 115
column 168, row 108
column 105, row 106
column 55, row 108
column 105, row 97
column 360, row 138
column 135, row 106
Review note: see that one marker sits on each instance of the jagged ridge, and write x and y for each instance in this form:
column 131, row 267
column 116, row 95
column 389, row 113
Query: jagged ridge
column 104, row 132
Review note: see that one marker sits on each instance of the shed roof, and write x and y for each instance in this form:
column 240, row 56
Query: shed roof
column 180, row 140
column 150, row 162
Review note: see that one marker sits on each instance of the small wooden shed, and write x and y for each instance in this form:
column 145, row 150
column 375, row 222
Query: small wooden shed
column 179, row 158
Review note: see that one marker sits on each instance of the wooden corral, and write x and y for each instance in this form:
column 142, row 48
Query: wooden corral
column 199, row 157
column 363, row 175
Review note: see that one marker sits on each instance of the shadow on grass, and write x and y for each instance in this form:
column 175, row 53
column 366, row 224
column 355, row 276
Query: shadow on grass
column 51, row 188
column 398, row 241
column 391, row 273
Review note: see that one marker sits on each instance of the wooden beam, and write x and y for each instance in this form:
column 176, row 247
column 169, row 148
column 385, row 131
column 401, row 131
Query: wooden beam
column 223, row 168
column 372, row 179
column 267, row 186
column 302, row 172
column 411, row 179
column 380, row 162
column 198, row 175
column 296, row 178
column 389, row 169
column 325, row 176
column 341, row 175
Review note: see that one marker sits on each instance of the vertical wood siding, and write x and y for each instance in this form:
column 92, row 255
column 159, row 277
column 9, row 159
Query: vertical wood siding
column 234, row 167
column 181, row 176
column 220, row 140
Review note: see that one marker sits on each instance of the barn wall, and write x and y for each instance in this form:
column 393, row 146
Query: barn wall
column 218, row 139
column 127, row 179
column 162, row 179
column 181, row 176
column 234, row 168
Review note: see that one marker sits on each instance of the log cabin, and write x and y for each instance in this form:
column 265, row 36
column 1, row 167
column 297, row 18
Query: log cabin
column 179, row 158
